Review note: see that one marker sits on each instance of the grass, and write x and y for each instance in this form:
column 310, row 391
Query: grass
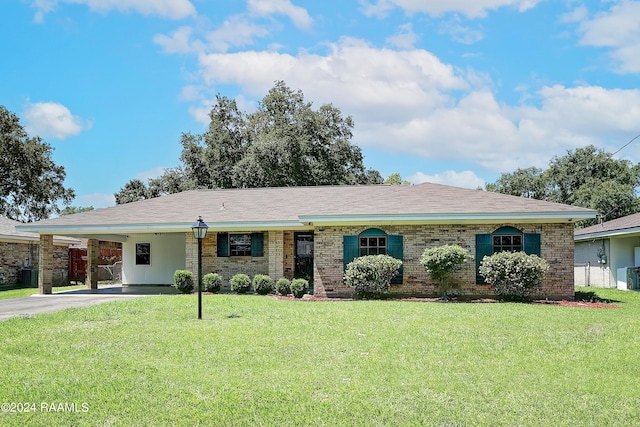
column 261, row 361
column 25, row 292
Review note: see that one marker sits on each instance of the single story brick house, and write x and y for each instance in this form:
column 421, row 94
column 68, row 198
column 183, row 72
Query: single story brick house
column 605, row 253
column 315, row 232
column 19, row 254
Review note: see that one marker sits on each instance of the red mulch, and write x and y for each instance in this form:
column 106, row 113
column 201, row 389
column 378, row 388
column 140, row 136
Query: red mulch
column 563, row 303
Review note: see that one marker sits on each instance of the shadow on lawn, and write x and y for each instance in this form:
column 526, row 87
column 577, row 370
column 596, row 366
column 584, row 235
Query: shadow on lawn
column 591, row 296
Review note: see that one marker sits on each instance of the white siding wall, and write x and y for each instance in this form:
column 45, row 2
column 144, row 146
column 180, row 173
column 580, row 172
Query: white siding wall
column 167, row 256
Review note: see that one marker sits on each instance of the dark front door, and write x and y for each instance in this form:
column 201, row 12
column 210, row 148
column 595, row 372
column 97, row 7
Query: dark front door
column 304, row 256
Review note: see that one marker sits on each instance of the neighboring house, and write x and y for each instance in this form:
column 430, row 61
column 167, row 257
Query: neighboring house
column 19, row 254
column 316, row 231
column 604, row 253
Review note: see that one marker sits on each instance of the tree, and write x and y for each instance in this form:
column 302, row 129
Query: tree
column 284, row 143
column 31, row 184
column 588, row 177
column 69, row 210
column 396, row 179
column 441, row 262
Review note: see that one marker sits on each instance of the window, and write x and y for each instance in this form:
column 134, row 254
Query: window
column 373, row 245
column 373, row 241
column 143, row 253
column 504, row 239
column 240, row 244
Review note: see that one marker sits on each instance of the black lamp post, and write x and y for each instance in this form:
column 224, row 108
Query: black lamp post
column 199, row 229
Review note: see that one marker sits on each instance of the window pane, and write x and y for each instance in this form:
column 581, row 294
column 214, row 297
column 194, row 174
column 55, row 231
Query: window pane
column 373, row 241
column 517, row 241
column 363, row 241
column 506, row 240
column 496, row 240
column 363, row 251
column 382, row 242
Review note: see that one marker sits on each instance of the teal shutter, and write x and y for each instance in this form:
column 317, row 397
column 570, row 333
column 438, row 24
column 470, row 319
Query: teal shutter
column 484, row 246
column 395, row 249
column 532, row 243
column 349, row 249
column 223, row 245
column 257, row 244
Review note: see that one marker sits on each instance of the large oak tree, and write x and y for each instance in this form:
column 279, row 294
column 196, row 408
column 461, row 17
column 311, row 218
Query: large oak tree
column 285, row 142
column 31, row 184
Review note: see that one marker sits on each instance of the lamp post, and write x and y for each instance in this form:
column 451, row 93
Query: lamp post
column 199, row 229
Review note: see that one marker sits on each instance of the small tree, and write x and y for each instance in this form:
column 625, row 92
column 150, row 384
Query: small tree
column 183, row 281
column 514, row 274
column 212, row 282
column 441, row 262
column 371, row 275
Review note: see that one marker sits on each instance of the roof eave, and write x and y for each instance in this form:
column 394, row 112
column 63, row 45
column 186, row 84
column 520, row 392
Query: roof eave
column 607, row 234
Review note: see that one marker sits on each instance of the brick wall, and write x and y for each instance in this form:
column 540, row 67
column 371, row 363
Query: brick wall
column 14, row 255
column 556, row 248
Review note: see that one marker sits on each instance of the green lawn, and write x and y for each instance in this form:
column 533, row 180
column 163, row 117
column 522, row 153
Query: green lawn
column 25, row 292
column 261, row 361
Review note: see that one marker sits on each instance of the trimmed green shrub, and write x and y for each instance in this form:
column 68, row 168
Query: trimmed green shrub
column 514, row 274
column 240, row 283
column 262, row 284
column 371, row 275
column 283, row 286
column 183, row 281
column 212, row 282
column 441, row 262
column 299, row 287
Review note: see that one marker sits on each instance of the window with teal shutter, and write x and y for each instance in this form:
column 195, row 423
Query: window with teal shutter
column 349, row 249
column 223, row 244
column 484, row 246
column 396, row 250
column 257, row 244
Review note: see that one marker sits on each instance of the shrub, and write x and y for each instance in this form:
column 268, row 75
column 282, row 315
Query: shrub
column 299, row 287
column 514, row 274
column 183, row 281
column 240, row 283
column 283, row 286
column 371, row 275
column 262, row 284
column 441, row 262
column 212, row 282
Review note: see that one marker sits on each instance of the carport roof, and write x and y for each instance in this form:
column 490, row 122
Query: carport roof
column 300, row 207
column 8, row 232
column 627, row 225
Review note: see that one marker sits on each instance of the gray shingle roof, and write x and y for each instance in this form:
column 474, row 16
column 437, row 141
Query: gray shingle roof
column 8, row 232
column 289, row 204
column 630, row 223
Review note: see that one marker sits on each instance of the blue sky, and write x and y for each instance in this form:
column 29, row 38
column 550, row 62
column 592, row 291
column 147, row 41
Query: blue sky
column 447, row 91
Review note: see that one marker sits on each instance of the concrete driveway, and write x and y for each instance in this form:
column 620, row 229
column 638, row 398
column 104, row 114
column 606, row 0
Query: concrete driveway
column 36, row 304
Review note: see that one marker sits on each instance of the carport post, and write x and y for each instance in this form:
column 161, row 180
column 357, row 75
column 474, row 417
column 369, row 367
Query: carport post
column 45, row 264
column 93, row 252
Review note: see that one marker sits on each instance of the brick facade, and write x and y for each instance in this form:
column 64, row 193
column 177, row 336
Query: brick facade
column 14, row 257
column 556, row 248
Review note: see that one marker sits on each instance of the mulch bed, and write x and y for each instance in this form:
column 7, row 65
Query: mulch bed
column 563, row 303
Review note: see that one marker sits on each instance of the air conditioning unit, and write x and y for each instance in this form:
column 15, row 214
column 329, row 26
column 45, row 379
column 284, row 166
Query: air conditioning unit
column 633, row 278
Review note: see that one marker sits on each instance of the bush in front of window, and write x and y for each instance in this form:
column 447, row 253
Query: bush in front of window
column 371, row 275
column 299, row 287
column 262, row 284
column 514, row 274
column 283, row 286
column 183, row 281
column 441, row 263
column 212, row 282
column 240, row 283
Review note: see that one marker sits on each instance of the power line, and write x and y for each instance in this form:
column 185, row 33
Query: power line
column 620, row 149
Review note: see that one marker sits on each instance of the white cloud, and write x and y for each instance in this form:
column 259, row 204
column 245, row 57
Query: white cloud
column 464, row 179
column 97, row 200
column 236, row 31
column 171, row 9
column 618, row 30
column 469, row 8
column 53, row 120
column 144, row 176
column 411, row 102
column 460, row 33
column 297, row 14
column 179, row 41
column 405, row 38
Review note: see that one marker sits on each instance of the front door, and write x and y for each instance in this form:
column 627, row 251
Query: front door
column 304, row 256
